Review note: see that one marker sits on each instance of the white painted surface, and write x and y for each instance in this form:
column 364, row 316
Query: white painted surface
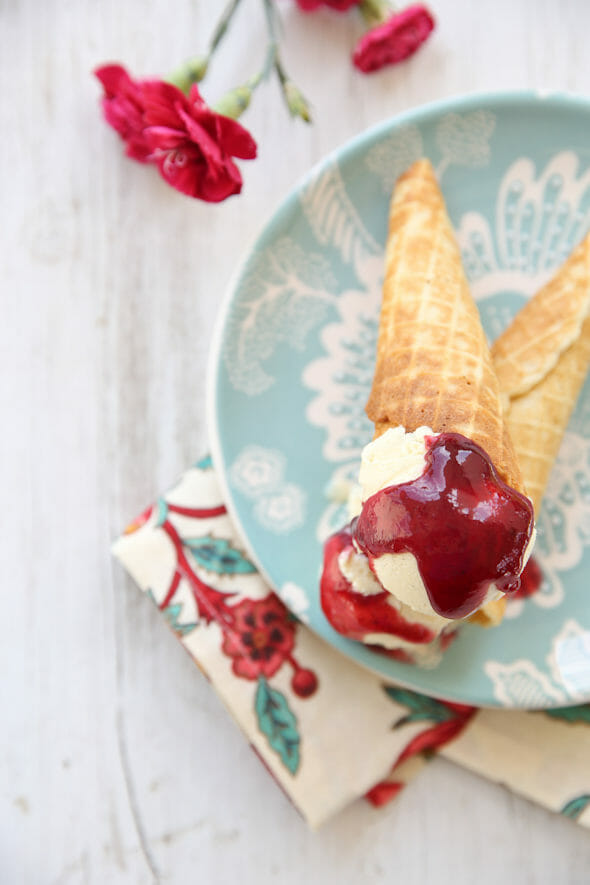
column 118, row 763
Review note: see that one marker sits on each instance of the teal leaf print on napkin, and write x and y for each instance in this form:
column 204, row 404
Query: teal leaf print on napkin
column 278, row 723
column 172, row 614
column 204, row 463
column 161, row 511
column 217, row 555
column 420, row 706
column 571, row 714
column 574, row 808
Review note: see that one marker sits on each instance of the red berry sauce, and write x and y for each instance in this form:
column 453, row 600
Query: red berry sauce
column 530, row 580
column 355, row 615
column 466, row 528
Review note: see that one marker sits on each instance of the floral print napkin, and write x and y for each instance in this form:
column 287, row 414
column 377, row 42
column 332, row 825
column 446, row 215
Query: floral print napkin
column 294, row 696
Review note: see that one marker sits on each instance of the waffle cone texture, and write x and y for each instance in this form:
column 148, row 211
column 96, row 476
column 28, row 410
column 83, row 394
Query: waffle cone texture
column 433, row 362
column 541, row 361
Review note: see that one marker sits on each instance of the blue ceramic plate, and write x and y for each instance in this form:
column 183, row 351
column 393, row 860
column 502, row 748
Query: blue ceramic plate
column 293, row 361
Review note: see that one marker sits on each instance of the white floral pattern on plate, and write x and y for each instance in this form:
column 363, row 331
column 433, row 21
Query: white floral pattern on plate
column 522, row 684
column 282, row 511
column 284, row 294
column 538, row 217
column 462, row 139
column 335, row 222
column 569, row 659
column 257, row 470
column 259, row 474
column 341, row 378
column 392, row 156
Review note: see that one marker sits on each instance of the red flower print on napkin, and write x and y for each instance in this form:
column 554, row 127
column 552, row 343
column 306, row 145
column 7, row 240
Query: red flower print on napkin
column 262, row 637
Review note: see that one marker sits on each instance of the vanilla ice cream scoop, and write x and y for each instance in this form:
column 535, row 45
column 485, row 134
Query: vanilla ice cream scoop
column 442, row 532
column 394, row 457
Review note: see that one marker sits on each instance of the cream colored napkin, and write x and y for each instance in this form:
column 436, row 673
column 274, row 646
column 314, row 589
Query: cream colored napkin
column 303, row 706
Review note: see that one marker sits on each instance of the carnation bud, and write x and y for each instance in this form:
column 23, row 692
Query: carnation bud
column 375, row 12
column 192, row 71
column 296, row 102
column 234, row 102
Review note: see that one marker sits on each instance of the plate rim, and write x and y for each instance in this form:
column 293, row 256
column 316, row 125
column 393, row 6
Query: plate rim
column 460, row 102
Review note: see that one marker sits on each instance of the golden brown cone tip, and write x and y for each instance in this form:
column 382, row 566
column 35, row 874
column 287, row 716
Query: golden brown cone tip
column 490, row 614
column 433, row 365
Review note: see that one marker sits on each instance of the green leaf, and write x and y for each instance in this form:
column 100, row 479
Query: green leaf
column 574, row 808
column 217, row 555
column 278, row 723
column 571, row 714
column 172, row 615
column 161, row 509
column 205, row 463
column 420, row 706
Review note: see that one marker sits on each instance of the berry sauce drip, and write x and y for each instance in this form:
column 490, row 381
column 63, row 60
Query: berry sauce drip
column 466, row 528
column 530, row 580
column 355, row 615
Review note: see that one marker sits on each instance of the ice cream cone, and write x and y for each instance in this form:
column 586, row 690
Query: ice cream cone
column 541, row 361
column 433, row 363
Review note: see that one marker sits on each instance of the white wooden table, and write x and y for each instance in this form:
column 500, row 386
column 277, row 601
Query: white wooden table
column 118, row 763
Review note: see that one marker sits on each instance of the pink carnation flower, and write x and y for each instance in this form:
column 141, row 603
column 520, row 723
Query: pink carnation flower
column 394, row 40
column 191, row 144
column 338, row 5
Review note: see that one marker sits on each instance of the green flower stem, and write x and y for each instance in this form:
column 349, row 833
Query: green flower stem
column 281, row 73
column 294, row 98
column 194, row 70
column 375, row 12
column 235, row 102
column 222, row 25
column 271, row 19
column 272, row 53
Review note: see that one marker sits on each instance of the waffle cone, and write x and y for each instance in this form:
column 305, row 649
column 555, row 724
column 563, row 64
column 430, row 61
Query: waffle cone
column 433, row 363
column 541, row 361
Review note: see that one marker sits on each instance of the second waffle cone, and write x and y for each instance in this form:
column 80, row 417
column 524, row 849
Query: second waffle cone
column 541, row 361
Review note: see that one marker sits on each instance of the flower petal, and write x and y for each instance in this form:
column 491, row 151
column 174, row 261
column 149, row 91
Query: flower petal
column 235, row 139
column 394, row 40
column 114, row 78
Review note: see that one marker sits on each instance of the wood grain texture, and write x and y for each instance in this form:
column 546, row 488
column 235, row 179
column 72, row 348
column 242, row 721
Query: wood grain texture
column 118, row 763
